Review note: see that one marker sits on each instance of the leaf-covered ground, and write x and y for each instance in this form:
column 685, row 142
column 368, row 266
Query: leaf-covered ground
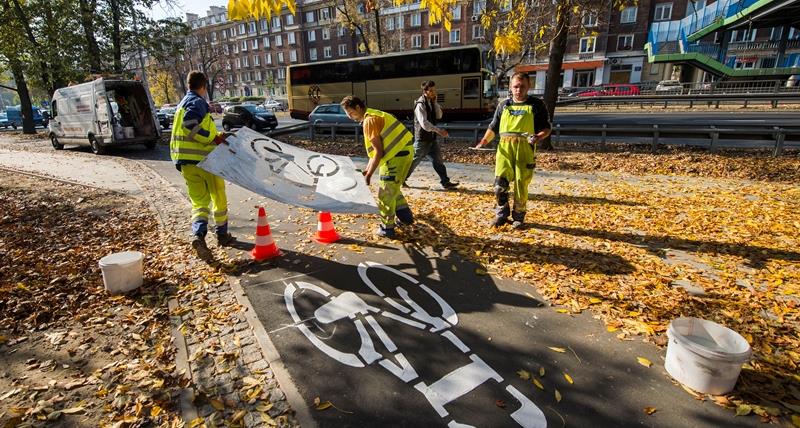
column 623, row 159
column 72, row 355
column 628, row 249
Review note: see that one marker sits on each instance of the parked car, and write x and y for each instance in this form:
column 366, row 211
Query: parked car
column 669, row 86
column 166, row 116
column 214, row 107
column 103, row 113
column 248, row 115
column 14, row 117
column 329, row 113
column 570, row 92
column 274, row 105
column 250, row 103
column 611, row 90
column 4, row 123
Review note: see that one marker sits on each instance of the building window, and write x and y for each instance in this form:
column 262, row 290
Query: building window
column 695, row 6
column 433, row 39
column 416, row 19
column 416, row 41
column 266, row 42
column 625, row 42
column 213, row 37
column 401, row 44
column 256, row 61
column 390, row 23
column 290, row 38
column 587, row 44
column 276, row 23
column 246, row 61
column 342, row 50
column 238, row 63
column 326, row 34
column 232, row 32
column 223, row 34
column 312, row 54
column 268, row 59
column 741, row 36
column 252, row 27
column 254, row 44
column 478, row 6
column 327, row 52
column 244, row 45
column 293, row 55
column 280, row 58
column 236, row 48
column 663, row 12
column 457, row 12
column 278, row 40
column 589, row 19
column 310, row 16
column 340, row 31
column 289, row 20
column 324, row 14
column 264, row 24
column 477, row 32
column 628, row 15
column 281, row 73
column 312, row 35
column 455, row 36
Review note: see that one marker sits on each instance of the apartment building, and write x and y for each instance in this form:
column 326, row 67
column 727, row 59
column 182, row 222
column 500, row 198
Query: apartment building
column 407, row 27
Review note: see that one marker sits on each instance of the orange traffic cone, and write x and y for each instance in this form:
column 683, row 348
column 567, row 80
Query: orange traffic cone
column 326, row 233
column 265, row 246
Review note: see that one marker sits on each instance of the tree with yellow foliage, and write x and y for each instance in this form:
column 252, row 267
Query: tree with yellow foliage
column 162, row 86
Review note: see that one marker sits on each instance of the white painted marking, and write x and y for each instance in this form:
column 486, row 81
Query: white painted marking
column 456, row 341
column 404, row 370
column 367, row 350
column 347, row 304
column 528, row 415
column 457, row 383
column 421, row 314
column 387, row 342
column 342, row 357
column 404, row 320
column 448, row 313
column 396, row 305
column 362, row 272
column 454, row 424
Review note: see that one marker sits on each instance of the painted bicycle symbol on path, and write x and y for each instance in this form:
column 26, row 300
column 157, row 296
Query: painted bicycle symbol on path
column 349, row 306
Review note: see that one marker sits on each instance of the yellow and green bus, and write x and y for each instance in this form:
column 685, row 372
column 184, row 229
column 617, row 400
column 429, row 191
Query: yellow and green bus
column 391, row 82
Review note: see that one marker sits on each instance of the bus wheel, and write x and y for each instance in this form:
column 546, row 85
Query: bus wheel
column 54, row 141
column 95, row 146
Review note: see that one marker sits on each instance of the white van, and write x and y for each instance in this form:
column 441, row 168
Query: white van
column 103, row 113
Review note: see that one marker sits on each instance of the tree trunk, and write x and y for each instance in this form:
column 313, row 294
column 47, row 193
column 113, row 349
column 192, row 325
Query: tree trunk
column 28, row 127
column 116, row 37
column 558, row 47
column 87, row 22
column 378, row 30
column 43, row 66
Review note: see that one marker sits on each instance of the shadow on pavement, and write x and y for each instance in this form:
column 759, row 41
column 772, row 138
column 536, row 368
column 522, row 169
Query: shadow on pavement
column 556, row 199
column 757, row 256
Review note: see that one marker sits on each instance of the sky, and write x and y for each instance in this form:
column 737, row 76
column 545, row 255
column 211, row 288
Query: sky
column 199, row 7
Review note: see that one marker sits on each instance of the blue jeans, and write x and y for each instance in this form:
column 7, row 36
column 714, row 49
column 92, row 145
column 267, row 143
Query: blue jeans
column 421, row 150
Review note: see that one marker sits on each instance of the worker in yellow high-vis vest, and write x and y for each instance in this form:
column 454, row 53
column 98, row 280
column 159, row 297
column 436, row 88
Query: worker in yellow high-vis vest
column 522, row 121
column 194, row 136
column 390, row 147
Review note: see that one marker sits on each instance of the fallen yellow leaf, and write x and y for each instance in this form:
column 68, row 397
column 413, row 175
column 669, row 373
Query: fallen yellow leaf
column 541, row 371
column 743, row 410
column 644, row 361
column 796, row 420
column 595, row 300
column 196, row 422
column 320, row 405
column 480, row 271
column 562, row 311
column 650, row 410
column 155, row 411
column 561, row 350
column 524, row 374
column 568, row 378
column 611, row 329
column 219, row 405
column 537, row 383
column 558, row 396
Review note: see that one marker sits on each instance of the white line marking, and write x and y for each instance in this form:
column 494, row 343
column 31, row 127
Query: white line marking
column 528, row 415
column 457, row 383
column 456, row 341
column 404, row 320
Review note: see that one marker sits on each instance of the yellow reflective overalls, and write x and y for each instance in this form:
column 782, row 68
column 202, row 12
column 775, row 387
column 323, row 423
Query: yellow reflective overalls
column 515, row 159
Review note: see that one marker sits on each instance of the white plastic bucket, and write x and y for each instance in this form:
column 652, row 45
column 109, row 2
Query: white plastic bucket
column 704, row 355
column 122, row 272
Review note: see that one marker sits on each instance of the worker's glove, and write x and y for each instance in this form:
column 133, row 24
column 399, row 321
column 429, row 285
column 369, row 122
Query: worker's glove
column 220, row 138
column 481, row 143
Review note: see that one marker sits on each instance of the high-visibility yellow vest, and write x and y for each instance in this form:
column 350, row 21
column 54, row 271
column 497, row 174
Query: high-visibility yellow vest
column 516, row 120
column 186, row 142
column 394, row 135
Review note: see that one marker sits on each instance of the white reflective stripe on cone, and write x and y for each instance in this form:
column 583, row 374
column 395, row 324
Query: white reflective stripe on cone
column 324, row 226
column 262, row 221
column 264, row 240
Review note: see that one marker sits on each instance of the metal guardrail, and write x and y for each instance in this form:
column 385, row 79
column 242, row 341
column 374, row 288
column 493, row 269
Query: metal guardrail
column 691, row 99
column 710, row 137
